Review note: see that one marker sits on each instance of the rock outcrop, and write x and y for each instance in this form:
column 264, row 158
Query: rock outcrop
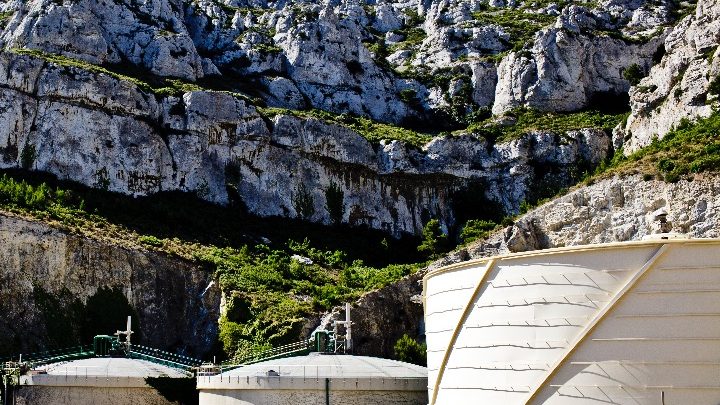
column 53, row 280
column 679, row 87
column 570, row 67
column 612, row 210
column 106, row 132
column 383, row 316
column 152, row 35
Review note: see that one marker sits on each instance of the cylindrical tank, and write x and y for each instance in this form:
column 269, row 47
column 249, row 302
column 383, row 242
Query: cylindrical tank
column 624, row 323
column 103, row 380
column 318, row 378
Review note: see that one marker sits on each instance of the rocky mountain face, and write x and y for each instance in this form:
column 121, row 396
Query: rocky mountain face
column 105, row 132
column 613, row 210
column 679, row 86
column 77, row 102
column 143, row 97
column 684, row 85
column 59, row 288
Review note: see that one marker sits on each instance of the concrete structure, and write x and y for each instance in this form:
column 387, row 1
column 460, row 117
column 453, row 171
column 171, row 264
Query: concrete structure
column 624, row 323
column 99, row 380
column 318, row 379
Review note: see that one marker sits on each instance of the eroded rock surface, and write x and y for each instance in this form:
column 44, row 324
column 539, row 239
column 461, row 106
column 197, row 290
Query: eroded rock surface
column 107, row 133
column 49, row 276
column 679, row 86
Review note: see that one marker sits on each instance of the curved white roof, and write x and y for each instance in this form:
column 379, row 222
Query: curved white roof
column 316, row 370
column 111, row 367
column 331, row 366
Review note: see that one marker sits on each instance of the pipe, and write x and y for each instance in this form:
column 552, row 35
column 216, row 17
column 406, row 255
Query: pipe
column 348, row 329
column 327, row 391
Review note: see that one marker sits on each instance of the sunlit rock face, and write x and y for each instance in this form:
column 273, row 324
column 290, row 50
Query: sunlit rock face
column 111, row 132
column 679, row 86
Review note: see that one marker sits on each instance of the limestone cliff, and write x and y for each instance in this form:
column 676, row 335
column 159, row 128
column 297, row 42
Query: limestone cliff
column 77, row 99
column 101, row 130
column 684, row 85
column 55, row 284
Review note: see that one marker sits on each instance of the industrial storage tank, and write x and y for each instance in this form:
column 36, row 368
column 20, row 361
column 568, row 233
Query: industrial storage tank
column 112, row 371
column 100, row 380
column 318, row 378
column 623, row 323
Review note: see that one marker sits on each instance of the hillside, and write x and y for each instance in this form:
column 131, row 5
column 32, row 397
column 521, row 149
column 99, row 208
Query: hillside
column 256, row 163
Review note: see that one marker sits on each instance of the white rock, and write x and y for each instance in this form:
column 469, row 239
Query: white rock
column 677, row 87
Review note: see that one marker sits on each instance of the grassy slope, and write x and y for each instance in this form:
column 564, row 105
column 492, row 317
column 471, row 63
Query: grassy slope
column 692, row 147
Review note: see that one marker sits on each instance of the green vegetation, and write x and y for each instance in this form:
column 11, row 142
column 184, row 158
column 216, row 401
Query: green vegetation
column 475, row 229
column 690, row 148
column 527, row 120
column 5, row 18
column 27, row 156
column 65, row 61
column 414, row 36
column 434, row 241
column 160, row 86
column 371, row 130
column 520, row 24
column 270, row 293
column 303, row 203
column 268, row 48
column 274, row 293
column 714, row 87
column 411, row 30
column 409, row 350
column 633, row 74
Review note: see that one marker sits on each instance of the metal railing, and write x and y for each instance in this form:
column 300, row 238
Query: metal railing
column 292, row 349
column 157, row 356
column 163, row 358
column 53, row 356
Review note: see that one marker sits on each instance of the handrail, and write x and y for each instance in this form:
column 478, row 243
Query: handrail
column 273, row 353
column 157, row 356
column 165, row 356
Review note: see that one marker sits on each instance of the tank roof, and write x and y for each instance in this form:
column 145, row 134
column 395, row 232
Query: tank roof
column 316, row 370
column 650, row 240
column 111, row 367
column 332, row 366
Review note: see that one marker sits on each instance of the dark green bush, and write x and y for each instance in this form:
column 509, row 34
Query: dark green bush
column 476, row 229
column 409, row 350
column 633, row 74
column 434, row 241
column 714, row 87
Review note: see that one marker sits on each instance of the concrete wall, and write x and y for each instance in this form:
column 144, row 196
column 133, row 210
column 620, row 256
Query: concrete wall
column 46, row 395
column 295, row 397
